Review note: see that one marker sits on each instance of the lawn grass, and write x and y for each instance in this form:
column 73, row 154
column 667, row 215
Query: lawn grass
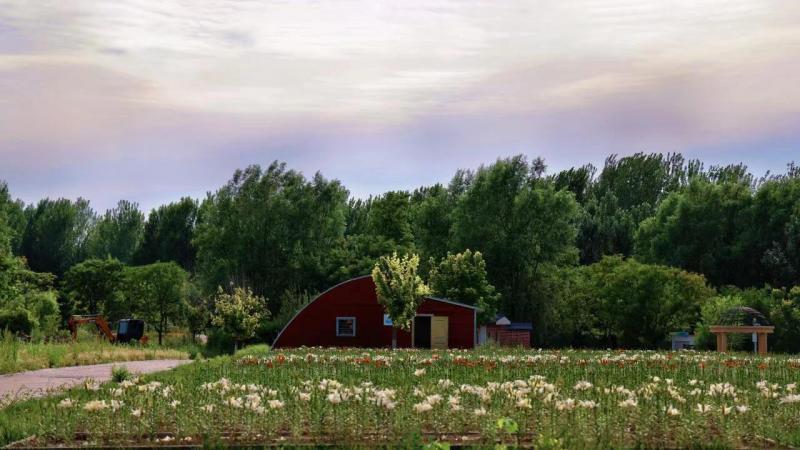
column 18, row 356
column 552, row 399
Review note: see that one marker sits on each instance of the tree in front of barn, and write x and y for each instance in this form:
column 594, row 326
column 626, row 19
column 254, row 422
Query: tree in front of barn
column 462, row 277
column 239, row 313
column 400, row 290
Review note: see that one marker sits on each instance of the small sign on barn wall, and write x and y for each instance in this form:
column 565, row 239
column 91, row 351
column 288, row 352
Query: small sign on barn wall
column 387, row 321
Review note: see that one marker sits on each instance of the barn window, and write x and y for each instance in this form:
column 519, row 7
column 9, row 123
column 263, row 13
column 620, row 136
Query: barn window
column 345, row 326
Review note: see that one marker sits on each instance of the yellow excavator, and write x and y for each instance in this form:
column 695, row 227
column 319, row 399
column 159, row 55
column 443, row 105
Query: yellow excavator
column 127, row 329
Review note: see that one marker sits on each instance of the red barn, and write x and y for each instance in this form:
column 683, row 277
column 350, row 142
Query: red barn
column 349, row 315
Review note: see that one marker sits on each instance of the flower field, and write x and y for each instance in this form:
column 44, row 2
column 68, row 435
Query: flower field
column 567, row 399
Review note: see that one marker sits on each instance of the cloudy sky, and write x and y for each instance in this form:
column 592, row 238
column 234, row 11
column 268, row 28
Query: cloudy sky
column 152, row 100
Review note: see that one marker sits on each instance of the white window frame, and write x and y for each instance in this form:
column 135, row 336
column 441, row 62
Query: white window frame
column 345, row 318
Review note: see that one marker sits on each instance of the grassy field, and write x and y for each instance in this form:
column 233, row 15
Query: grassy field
column 16, row 356
column 551, row 399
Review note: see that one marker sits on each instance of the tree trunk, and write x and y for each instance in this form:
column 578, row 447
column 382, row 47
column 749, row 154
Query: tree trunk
column 394, row 338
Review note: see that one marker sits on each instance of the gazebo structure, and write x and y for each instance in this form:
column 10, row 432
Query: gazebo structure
column 735, row 320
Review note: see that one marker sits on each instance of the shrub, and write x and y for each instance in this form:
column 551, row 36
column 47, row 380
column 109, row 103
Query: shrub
column 219, row 343
column 17, row 321
column 120, row 374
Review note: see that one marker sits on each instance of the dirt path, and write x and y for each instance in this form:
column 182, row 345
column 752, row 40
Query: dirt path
column 36, row 383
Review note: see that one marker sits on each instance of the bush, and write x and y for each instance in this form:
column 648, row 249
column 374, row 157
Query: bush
column 45, row 308
column 219, row 343
column 120, row 374
column 17, row 321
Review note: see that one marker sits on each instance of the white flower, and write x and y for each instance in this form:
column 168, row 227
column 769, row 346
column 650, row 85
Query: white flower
column 149, row 387
column 794, row 398
column 117, row 392
column 582, row 386
column 524, row 403
column 235, row 402
column 116, row 404
column 335, row 398
column 433, row 399
column 479, row 412
column 587, row 404
column 174, row 404
column 304, row 396
column 741, row 409
column 703, row 408
column 419, row 372
column 726, row 410
column 423, row 407
column 721, row 389
column 136, row 412
column 567, row 404
column 95, row 405
column 275, row 404
column 66, row 403
column 125, row 384
column 672, row 411
column 628, row 403
column 791, row 387
column 453, row 400
column 207, row 408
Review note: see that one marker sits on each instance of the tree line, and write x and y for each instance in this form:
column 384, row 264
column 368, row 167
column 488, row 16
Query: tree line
column 617, row 256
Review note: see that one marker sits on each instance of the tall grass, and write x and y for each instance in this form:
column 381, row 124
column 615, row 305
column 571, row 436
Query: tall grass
column 16, row 356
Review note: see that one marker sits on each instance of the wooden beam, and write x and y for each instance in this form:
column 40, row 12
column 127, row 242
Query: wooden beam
column 741, row 329
column 722, row 342
column 762, row 343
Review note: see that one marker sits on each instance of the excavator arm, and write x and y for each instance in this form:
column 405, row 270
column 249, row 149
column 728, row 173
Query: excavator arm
column 98, row 320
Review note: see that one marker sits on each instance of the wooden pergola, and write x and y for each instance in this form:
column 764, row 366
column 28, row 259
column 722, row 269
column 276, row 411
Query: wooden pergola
column 761, row 332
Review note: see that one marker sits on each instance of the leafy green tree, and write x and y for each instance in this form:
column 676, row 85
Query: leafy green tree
column 520, row 223
column 270, row 230
column 462, row 277
column 118, row 233
column 355, row 255
column 637, row 305
column 772, row 238
column 239, row 313
column 27, row 299
column 198, row 308
column 158, row 292
column 578, row 180
column 605, row 229
column 96, row 286
column 699, row 229
column 168, row 234
column 432, row 220
column 400, row 290
column 639, row 182
column 390, row 216
column 12, row 221
column 56, row 234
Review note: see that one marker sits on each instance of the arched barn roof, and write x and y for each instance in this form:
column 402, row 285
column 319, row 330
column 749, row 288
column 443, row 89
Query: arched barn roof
column 357, row 297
